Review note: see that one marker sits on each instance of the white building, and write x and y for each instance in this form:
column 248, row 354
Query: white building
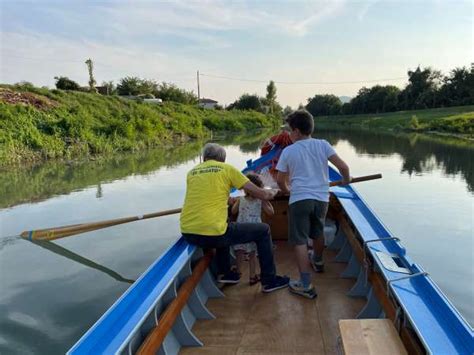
column 207, row 103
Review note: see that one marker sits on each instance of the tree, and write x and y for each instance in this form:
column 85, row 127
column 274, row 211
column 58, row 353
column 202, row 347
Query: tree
column 132, row 85
column 90, row 69
column 422, row 89
column 271, row 96
column 374, row 100
column 64, row 83
column 247, row 102
column 458, row 88
column 170, row 92
column 287, row 110
column 324, row 105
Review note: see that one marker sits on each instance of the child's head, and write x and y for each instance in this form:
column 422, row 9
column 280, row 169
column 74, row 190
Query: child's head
column 255, row 179
column 301, row 120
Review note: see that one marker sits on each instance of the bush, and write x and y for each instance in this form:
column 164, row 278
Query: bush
column 132, row 85
column 64, row 83
column 414, row 123
column 170, row 92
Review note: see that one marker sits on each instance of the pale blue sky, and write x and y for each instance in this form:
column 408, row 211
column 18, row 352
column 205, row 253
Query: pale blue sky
column 299, row 41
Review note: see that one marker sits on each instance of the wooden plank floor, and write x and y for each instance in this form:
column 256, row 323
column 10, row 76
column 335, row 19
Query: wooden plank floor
column 251, row 322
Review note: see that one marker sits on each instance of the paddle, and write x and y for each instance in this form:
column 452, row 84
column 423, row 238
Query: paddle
column 66, row 231
column 357, row 179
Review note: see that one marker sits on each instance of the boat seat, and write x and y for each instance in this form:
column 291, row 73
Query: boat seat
column 370, row 336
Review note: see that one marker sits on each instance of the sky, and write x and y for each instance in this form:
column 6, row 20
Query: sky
column 306, row 47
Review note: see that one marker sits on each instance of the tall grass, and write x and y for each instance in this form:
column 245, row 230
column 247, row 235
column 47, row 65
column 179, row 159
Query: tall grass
column 79, row 124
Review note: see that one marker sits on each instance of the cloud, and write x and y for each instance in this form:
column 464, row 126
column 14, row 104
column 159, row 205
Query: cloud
column 38, row 58
column 185, row 18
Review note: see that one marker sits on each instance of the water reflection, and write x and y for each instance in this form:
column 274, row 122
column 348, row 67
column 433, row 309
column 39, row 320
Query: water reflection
column 56, row 249
column 420, row 153
column 52, row 178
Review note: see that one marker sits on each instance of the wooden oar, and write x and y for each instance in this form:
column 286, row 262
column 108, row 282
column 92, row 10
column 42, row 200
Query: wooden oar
column 66, row 231
column 357, row 179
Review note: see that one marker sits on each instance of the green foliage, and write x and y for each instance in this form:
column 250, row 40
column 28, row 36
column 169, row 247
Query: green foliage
column 64, row 83
column 414, row 123
column 90, row 69
column 271, row 96
column 324, row 105
column 82, row 124
column 247, row 102
column 376, row 99
column 426, row 88
column 454, row 120
column 286, row 111
column 132, row 85
column 458, row 88
column 170, row 92
column 422, row 89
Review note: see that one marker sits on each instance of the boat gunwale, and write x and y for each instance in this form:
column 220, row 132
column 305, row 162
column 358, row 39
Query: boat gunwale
column 414, row 267
column 76, row 347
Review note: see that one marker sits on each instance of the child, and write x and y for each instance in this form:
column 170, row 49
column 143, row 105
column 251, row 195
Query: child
column 249, row 210
column 305, row 165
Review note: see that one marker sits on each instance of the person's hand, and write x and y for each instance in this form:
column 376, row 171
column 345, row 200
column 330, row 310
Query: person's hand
column 271, row 193
column 231, row 201
column 346, row 181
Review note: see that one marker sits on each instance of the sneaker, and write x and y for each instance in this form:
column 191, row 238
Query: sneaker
column 231, row 277
column 277, row 283
column 318, row 266
column 297, row 288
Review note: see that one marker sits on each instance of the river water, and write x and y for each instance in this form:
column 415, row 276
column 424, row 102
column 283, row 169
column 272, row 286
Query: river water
column 52, row 292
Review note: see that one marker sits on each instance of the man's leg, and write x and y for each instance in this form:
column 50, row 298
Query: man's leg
column 298, row 233
column 317, row 231
column 259, row 233
column 219, row 243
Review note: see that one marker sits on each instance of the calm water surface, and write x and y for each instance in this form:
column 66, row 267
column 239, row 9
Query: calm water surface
column 51, row 293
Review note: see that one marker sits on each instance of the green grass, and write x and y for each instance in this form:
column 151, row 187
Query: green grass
column 79, row 125
column 452, row 120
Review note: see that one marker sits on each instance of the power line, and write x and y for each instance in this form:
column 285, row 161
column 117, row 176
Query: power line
column 302, row 82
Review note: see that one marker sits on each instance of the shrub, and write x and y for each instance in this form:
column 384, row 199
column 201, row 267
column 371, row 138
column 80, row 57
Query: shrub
column 64, row 83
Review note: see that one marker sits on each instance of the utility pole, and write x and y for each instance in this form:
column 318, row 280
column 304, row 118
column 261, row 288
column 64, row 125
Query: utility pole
column 199, row 90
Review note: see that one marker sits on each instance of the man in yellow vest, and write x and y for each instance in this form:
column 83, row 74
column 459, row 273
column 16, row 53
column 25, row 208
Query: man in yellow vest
column 204, row 217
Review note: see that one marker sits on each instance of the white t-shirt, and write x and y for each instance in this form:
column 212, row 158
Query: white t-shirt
column 306, row 161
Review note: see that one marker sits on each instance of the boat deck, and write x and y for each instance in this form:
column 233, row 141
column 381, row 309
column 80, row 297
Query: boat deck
column 251, row 322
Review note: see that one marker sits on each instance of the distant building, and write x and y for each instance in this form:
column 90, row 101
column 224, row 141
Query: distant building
column 103, row 90
column 207, row 103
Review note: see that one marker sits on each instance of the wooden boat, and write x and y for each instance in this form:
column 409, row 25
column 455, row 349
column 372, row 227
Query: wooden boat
column 372, row 299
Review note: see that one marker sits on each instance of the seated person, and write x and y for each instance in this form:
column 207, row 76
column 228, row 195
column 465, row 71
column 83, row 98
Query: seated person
column 204, row 217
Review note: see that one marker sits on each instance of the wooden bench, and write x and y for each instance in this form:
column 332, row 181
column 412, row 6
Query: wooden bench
column 370, row 336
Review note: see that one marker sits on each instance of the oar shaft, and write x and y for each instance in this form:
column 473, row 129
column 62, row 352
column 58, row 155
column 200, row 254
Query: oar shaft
column 66, row 231
column 358, row 179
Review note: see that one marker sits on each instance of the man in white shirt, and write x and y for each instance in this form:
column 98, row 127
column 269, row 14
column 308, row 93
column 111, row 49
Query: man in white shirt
column 304, row 164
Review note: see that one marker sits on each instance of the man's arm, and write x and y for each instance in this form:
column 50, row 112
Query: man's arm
column 257, row 192
column 235, row 207
column 282, row 181
column 342, row 167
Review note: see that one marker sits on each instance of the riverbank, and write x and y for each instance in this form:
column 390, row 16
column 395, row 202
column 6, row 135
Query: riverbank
column 456, row 121
column 40, row 124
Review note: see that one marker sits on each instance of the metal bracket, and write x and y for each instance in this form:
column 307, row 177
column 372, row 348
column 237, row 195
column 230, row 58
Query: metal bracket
column 364, row 246
column 389, row 282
